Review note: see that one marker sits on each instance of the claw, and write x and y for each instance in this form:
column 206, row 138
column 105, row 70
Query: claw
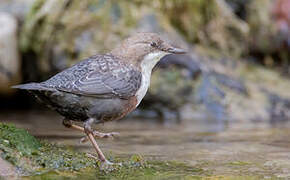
column 98, row 134
column 105, row 135
column 83, row 140
column 106, row 166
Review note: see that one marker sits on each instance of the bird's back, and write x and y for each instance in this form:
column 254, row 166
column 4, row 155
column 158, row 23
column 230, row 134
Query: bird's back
column 99, row 86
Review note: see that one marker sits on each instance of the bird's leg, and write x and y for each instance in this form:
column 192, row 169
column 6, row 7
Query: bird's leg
column 105, row 164
column 88, row 130
column 68, row 123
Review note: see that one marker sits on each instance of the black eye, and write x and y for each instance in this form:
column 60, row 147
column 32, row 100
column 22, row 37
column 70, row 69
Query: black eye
column 153, row 44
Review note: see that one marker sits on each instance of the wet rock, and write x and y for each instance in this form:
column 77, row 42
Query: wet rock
column 183, row 62
column 9, row 57
column 205, row 86
column 230, row 82
column 181, row 80
column 211, row 96
column 279, row 109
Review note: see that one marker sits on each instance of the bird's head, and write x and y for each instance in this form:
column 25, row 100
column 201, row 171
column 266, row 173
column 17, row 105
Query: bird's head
column 145, row 49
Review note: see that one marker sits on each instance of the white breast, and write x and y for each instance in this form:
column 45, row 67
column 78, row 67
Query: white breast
column 147, row 65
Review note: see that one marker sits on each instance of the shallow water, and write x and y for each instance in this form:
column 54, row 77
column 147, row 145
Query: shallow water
column 227, row 149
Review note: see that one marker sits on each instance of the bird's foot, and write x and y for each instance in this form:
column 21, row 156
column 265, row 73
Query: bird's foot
column 106, row 165
column 109, row 166
column 98, row 134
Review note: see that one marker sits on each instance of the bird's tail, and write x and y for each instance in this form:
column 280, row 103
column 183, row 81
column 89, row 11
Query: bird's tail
column 30, row 86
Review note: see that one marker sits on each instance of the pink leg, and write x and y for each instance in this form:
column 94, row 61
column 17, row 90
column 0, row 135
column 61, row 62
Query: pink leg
column 91, row 134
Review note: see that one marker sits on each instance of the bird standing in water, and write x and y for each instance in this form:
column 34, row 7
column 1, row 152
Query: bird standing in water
column 103, row 87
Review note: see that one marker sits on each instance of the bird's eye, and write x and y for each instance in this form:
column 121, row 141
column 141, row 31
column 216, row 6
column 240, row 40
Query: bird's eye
column 153, row 44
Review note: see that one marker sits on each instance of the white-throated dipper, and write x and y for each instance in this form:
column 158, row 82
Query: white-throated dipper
column 103, row 87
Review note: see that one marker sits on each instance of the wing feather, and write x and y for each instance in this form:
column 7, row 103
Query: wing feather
column 101, row 76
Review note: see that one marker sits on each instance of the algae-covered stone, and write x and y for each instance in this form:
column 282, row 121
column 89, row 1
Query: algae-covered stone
column 30, row 155
column 18, row 139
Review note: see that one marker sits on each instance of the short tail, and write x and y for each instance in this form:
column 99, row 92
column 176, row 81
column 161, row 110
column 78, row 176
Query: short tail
column 30, row 86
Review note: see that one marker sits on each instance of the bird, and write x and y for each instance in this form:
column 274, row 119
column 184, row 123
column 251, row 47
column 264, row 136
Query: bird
column 103, row 87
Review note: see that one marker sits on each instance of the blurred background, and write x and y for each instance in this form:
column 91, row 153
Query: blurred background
column 232, row 86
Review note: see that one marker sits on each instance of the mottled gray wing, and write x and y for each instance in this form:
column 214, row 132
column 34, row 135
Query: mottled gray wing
column 101, row 76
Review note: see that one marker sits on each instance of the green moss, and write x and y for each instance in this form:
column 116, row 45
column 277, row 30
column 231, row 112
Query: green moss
column 32, row 156
column 53, row 157
column 18, row 139
column 132, row 170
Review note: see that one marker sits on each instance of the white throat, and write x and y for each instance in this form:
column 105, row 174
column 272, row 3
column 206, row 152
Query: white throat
column 147, row 65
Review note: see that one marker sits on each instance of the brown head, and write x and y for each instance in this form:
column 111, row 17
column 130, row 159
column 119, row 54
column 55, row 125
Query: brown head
column 144, row 47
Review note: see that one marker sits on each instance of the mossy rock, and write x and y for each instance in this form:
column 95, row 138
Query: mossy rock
column 30, row 155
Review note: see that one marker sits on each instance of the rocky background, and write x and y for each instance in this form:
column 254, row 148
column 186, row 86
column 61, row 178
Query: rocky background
column 237, row 68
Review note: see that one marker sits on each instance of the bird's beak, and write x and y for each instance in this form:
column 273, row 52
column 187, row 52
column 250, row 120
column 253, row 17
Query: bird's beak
column 171, row 49
column 175, row 50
